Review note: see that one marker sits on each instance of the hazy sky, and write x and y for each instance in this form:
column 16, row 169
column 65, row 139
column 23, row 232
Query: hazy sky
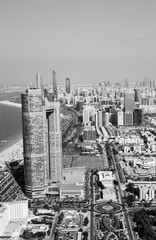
column 85, row 40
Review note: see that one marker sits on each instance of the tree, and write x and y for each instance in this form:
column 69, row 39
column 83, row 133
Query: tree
column 100, row 185
column 130, row 200
column 101, row 194
column 130, row 188
column 46, row 206
column 86, row 221
column 35, row 211
column 85, row 234
column 115, row 182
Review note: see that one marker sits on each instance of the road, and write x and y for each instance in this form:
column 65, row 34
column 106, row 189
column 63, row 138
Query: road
column 127, row 219
column 92, row 208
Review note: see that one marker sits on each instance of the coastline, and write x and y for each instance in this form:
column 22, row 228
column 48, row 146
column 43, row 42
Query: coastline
column 13, row 152
column 7, row 102
column 12, row 149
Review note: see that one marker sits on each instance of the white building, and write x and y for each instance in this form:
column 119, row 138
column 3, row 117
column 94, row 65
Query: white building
column 106, row 177
column 4, row 218
column 10, row 211
column 120, row 118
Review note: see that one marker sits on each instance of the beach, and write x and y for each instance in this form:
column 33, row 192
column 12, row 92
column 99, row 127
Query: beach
column 14, row 149
column 6, row 102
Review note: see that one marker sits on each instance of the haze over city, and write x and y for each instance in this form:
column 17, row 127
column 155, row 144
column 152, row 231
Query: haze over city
column 87, row 41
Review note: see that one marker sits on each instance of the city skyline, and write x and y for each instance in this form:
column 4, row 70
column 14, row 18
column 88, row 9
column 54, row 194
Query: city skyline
column 86, row 41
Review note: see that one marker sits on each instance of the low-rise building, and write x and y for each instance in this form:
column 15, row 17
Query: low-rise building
column 73, row 182
column 12, row 211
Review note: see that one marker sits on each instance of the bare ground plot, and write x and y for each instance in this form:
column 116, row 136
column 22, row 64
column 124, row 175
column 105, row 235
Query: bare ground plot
column 91, row 162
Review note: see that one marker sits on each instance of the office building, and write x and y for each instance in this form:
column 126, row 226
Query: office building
column 128, row 118
column 55, row 85
column 86, row 115
column 42, row 142
column 106, row 119
column 54, row 141
column 67, row 85
column 120, row 118
column 137, row 96
column 100, row 118
column 103, row 90
column 89, row 134
column 129, row 101
column 137, row 117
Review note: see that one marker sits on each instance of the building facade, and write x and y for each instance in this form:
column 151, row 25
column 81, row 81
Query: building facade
column 55, row 85
column 67, row 85
column 128, row 118
column 129, row 102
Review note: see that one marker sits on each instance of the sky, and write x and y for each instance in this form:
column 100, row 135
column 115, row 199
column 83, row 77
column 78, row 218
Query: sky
column 88, row 41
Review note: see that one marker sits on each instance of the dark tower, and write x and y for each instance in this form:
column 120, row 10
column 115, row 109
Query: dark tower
column 137, row 117
column 55, row 85
column 67, row 85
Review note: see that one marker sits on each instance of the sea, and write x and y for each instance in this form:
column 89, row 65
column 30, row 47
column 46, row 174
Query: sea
column 10, row 121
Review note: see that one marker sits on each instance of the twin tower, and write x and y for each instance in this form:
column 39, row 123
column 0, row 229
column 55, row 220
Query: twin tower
column 42, row 141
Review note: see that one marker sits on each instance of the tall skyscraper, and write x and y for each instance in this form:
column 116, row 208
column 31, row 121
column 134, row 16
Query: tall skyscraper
column 129, row 101
column 100, row 120
column 137, row 116
column 54, row 141
column 42, row 142
column 67, row 85
column 103, row 90
column 137, row 95
column 55, row 85
column 129, row 108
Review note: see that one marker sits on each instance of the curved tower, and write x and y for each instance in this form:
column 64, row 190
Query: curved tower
column 35, row 158
column 42, row 141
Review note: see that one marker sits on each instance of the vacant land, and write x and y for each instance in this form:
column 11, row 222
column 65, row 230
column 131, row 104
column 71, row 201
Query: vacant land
column 91, row 162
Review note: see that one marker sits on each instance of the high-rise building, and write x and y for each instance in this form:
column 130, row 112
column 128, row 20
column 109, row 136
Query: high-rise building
column 137, row 116
column 42, row 143
column 120, row 118
column 126, row 83
column 103, row 90
column 129, row 101
column 106, row 117
column 55, row 85
column 128, row 118
column 67, row 85
column 54, row 141
column 137, row 96
column 100, row 118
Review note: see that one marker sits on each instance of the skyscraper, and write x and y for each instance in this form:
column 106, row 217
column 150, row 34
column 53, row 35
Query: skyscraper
column 67, row 85
column 129, row 108
column 55, row 85
column 129, row 101
column 42, row 142
column 137, row 116
column 103, row 90
column 128, row 118
column 54, row 141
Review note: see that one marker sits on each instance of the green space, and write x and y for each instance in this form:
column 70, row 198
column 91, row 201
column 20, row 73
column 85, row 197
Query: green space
column 105, row 207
